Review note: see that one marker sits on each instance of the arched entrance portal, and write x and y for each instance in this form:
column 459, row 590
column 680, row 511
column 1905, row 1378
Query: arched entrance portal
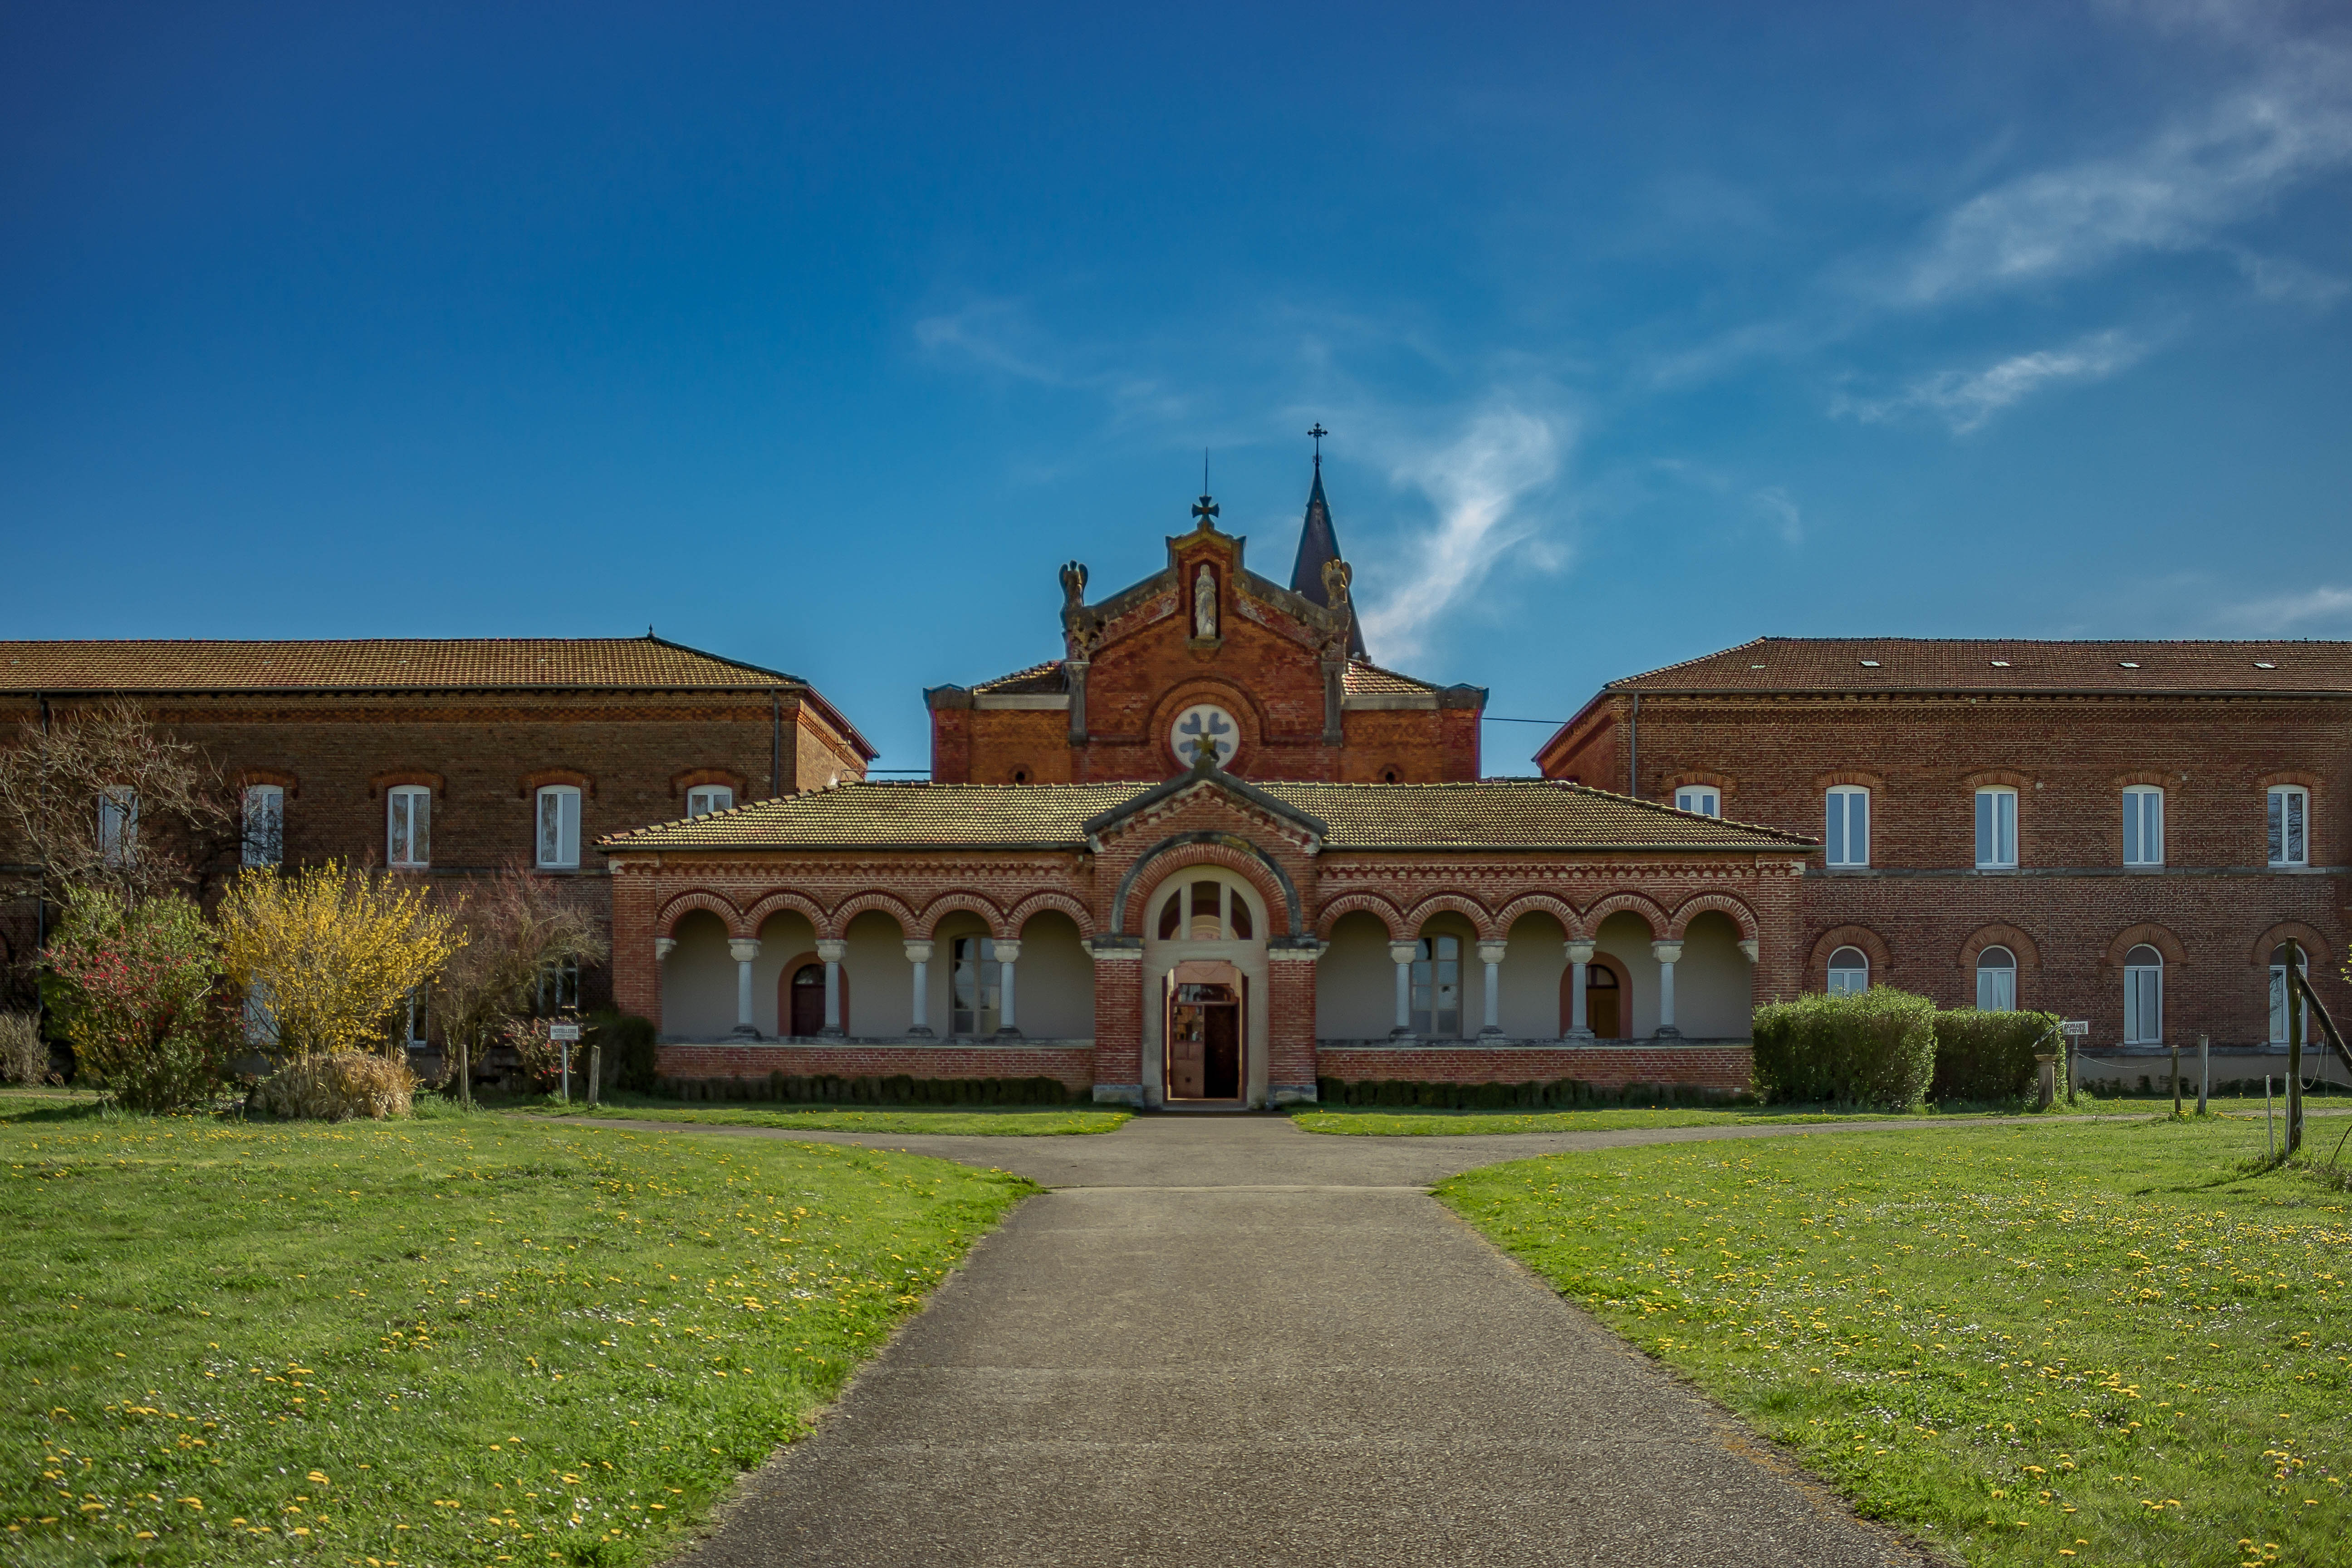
column 1205, row 985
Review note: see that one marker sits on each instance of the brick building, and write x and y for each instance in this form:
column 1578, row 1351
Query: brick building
column 2122, row 832
column 450, row 757
column 1212, row 855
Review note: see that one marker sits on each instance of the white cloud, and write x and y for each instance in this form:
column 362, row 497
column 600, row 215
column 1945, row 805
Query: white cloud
column 997, row 335
column 1479, row 485
column 2272, row 617
column 1966, row 399
column 1781, row 508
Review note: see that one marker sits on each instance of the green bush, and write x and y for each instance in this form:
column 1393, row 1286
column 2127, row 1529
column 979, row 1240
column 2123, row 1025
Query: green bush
column 141, row 1012
column 1559, row 1094
column 1988, row 1057
column 1864, row 1047
column 627, row 1042
column 827, row 1088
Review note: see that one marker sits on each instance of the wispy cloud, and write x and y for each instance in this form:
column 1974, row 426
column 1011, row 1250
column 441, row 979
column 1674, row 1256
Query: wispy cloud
column 997, row 336
column 1966, row 399
column 2286, row 612
column 1481, row 485
column 1780, row 506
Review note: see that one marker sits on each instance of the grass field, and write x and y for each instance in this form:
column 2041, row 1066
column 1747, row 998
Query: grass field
column 462, row 1338
column 1007, row 1121
column 2053, row 1343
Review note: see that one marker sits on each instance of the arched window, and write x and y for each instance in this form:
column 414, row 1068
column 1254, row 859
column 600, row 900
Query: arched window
column 1438, row 987
column 1207, row 910
column 2278, row 997
column 1847, row 828
column 2143, row 996
column 2288, row 814
column 1997, row 980
column 2143, row 825
column 1849, row 971
column 558, row 827
column 1996, row 828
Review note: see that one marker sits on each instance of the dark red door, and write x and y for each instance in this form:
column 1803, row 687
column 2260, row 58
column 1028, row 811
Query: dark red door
column 808, row 999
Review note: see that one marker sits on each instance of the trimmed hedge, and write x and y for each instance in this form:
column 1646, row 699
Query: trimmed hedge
column 1871, row 1047
column 627, row 1041
column 1988, row 1057
column 1559, row 1094
column 825, row 1088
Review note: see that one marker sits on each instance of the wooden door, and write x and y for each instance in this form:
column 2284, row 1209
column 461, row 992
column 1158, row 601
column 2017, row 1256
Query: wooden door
column 808, row 1000
column 1187, row 1051
column 1602, row 995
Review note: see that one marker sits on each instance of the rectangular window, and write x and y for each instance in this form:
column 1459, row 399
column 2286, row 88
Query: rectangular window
column 1437, row 988
column 1697, row 798
column 2144, row 1006
column 1847, row 831
column 1996, row 829
column 117, row 824
column 412, row 1022
column 704, row 799
column 2289, row 805
column 2143, row 825
column 2278, row 1009
column 408, row 825
column 558, row 827
column 559, row 986
column 1996, row 990
column 976, row 985
column 262, row 824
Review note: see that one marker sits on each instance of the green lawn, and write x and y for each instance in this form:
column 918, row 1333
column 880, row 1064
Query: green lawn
column 2059, row 1342
column 461, row 1338
column 1010, row 1120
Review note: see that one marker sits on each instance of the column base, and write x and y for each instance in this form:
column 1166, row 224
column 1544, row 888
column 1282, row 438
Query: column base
column 1666, row 1033
column 1493, row 1033
column 832, row 1034
column 1402, row 1037
column 1580, row 1035
column 920, row 1032
column 1008, row 1033
column 744, row 1031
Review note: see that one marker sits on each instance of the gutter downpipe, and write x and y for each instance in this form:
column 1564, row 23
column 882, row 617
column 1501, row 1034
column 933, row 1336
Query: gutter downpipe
column 1633, row 749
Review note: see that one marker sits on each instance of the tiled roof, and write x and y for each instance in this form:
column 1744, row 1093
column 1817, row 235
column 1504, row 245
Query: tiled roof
column 1934, row 664
column 1044, row 677
column 1507, row 814
column 634, row 664
column 1366, row 678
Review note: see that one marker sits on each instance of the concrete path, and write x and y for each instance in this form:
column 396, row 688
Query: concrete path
column 1224, row 1340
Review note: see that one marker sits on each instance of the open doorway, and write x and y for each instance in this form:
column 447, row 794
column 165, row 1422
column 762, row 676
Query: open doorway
column 1205, row 1055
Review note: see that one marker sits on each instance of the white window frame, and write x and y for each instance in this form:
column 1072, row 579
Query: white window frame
column 2143, row 998
column 975, row 986
column 1837, row 987
column 1996, row 826
column 1703, row 800
column 1236, row 906
column 1997, row 983
column 557, row 840
column 1846, row 818
column 117, row 824
column 408, row 826
column 703, row 800
column 2143, row 825
column 1436, row 999
column 261, row 824
column 2288, row 826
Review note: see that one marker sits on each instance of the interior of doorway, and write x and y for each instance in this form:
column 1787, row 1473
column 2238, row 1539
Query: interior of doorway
column 1204, row 1061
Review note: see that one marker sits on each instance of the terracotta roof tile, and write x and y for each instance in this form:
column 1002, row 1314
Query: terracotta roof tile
column 1504, row 814
column 1366, row 678
column 1934, row 664
column 375, row 664
column 1044, row 677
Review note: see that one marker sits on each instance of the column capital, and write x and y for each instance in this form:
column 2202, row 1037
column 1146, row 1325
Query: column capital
column 1753, row 949
column 831, row 951
column 743, row 949
column 1008, row 953
column 1581, row 952
column 663, row 947
column 1404, row 951
column 1667, row 952
column 918, row 951
column 1491, row 952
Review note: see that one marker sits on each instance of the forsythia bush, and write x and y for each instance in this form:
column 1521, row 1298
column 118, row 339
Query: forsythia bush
column 1989, row 1055
column 331, row 952
column 337, row 1087
column 1864, row 1048
column 137, row 983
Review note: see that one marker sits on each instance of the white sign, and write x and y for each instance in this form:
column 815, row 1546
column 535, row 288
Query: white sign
column 564, row 1032
column 2078, row 1028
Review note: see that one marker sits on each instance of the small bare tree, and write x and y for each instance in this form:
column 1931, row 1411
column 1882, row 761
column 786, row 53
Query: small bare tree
column 102, row 799
column 516, row 929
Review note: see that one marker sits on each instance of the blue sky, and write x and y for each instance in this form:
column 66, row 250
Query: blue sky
column 820, row 338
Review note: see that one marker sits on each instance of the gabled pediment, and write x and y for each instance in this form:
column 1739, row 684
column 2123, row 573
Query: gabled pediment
column 1210, row 781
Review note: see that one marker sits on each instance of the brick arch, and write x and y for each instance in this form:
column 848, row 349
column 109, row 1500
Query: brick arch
column 969, row 903
column 2029, row 954
column 2309, row 781
column 1172, row 855
column 1987, row 778
column 836, row 925
column 1481, row 918
column 244, row 778
column 2160, row 779
column 1560, row 909
column 531, row 784
column 1836, row 777
column 2152, row 934
column 1690, row 776
column 1601, row 909
column 1720, row 903
column 1874, row 947
column 2316, row 947
column 1348, row 904
column 1036, row 903
column 685, row 904
column 773, row 903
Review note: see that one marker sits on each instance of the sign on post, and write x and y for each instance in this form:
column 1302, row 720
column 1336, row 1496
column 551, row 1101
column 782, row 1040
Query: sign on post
column 566, row 1035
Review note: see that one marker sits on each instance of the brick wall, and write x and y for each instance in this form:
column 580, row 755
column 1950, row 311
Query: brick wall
column 1073, row 1065
column 1726, row 1068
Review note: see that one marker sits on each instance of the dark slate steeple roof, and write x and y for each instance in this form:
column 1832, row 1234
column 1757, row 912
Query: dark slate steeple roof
column 1317, row 544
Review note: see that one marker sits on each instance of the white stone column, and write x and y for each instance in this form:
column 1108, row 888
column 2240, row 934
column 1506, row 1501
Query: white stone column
column 1402, row 954
column 1007, row 954
column 1668, row 953
column 918, row 953
column 743, row 950
column 832, row 953
column 1490, row 954
column 1579, row 961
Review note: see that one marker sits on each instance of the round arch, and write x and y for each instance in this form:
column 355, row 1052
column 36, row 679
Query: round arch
column 1481, row 918
column 2020, row 943
column 1874, row 947
column 1037, row 903
column 1172, row 855
column 2150, row 934
column 1372, row 904
column 1625, row 903
column 939, row 909
column 1571, row 924
column 1718, row 904
column 777, row 903
column 685, row 904
column 850, row 909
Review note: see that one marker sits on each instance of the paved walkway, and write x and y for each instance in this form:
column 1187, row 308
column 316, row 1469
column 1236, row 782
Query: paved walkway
column 1224, row 1340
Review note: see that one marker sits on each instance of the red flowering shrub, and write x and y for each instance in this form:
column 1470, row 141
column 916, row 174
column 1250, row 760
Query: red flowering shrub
column 137, row 987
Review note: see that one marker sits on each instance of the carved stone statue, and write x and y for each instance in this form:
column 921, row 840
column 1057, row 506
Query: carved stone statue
column 1074, row 583
column 1204, row 602
column 1337, row 577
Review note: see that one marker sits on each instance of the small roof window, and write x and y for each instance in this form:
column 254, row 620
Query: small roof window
column 1752, row 666
column 2265, row 664
column 1870, row 664
column 2129, row 663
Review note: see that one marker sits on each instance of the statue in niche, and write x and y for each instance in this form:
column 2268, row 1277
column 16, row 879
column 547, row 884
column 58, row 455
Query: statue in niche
column 1205, row 604
column 1074, row 585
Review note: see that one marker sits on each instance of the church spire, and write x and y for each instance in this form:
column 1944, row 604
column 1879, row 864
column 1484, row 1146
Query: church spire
column 1317, row 546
